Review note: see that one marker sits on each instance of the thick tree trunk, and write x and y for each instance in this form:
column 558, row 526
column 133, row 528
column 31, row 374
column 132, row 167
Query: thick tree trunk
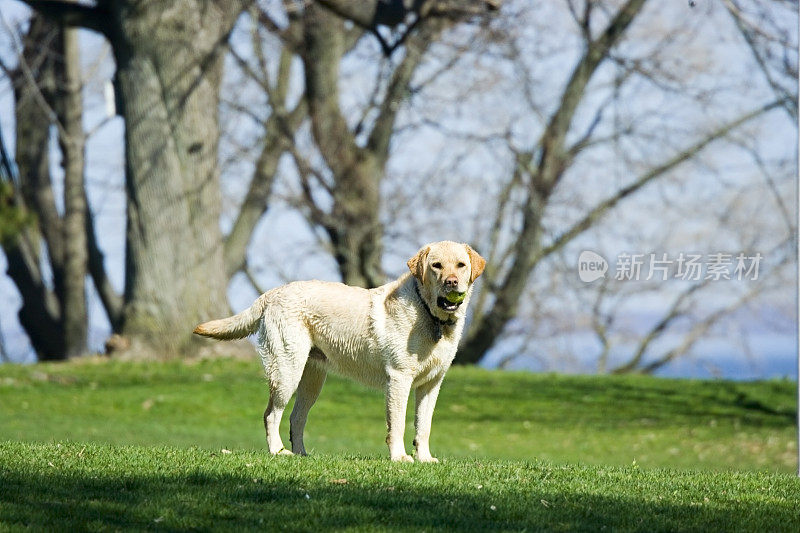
column 169, row 61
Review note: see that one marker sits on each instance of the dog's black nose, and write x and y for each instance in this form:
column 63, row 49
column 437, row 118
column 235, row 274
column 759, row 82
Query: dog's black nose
column 451, row 282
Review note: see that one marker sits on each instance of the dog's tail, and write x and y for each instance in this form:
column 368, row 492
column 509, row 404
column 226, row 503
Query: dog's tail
column 236, row 326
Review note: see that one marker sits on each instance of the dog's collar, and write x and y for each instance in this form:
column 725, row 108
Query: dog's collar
column 437, row 322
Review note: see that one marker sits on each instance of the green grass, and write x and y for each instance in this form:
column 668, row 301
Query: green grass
column 713, row 425
column 94, row 445
column 94, row 487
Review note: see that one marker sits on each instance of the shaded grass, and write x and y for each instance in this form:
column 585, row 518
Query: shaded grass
column 711, row 425
column 71, row 486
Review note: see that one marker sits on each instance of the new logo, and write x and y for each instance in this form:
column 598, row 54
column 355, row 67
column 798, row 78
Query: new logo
column 591, row 266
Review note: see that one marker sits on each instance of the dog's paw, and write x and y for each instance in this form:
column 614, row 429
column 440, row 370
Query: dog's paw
column 283, row 451
column 405, row 458
column 428, row 459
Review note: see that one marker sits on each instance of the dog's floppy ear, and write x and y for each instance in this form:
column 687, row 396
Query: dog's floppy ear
column 477, row 262
column 417, row 263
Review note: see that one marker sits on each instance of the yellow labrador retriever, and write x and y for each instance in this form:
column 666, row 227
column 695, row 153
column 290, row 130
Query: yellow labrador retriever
column 399, row 336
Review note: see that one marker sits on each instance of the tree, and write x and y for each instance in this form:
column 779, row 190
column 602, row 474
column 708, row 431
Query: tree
column 342, row 196
column 166, row 81
column 573, row 154
column 169, row 61
column 47, row 88
column 557, row 111
column 539, row 171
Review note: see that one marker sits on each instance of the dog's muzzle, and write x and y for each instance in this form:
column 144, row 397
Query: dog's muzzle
column 444, row 303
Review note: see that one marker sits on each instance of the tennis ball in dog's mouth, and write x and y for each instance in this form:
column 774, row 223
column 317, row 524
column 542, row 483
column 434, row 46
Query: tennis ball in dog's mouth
column 455, row 297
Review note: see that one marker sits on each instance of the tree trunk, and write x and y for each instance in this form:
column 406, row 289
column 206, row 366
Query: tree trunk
column 71, row 138
column 357, row 233
column 354, row 225
column 485, row 329
column 40, row 314
column 169, row 62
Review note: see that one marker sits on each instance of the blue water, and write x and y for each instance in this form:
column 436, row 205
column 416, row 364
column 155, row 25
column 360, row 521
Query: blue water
column 762, row 356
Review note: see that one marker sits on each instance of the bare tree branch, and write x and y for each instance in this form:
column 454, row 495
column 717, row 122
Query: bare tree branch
column 494, row 261
column 552, row 141
column 398, row 89
column 675, row 311
column 316, row 214
column 789, row 101
column 255, row 203
column 603, row 207
column 279, row 132
column 601, row 325
column 548, row 161
column 696, row 333
column 248, row 272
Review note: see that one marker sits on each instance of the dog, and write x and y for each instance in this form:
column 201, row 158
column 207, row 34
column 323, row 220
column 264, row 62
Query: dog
column 395, row 337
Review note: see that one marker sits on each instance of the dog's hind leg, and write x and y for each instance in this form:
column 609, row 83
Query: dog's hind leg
column 272, row 422
column 284, row 361
column 307, row 393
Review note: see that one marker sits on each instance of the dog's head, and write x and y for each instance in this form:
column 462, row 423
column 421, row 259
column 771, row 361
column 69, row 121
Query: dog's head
column 446, row 271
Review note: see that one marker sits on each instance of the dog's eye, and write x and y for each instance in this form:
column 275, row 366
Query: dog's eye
column 437, row 265
column 461, row 265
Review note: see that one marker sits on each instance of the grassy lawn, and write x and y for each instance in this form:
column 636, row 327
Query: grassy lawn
column 481, row 414
column 94, row 445
column 94, row 487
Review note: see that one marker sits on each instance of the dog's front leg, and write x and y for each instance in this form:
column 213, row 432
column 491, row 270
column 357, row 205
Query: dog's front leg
column 397, row 389
column 425, row 396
